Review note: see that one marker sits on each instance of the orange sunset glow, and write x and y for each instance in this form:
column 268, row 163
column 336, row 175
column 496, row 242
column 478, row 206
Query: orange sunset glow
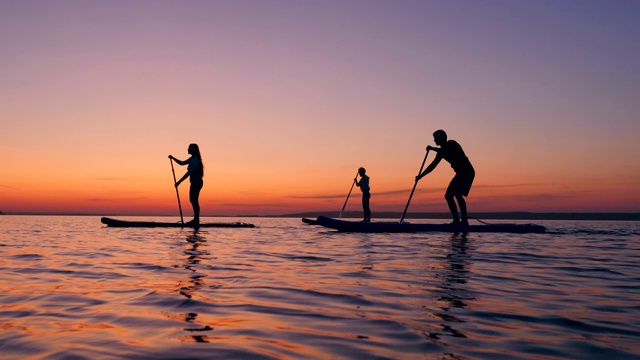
column 288, row 99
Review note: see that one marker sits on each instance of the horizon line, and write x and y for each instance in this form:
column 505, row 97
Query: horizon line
column 513, row 215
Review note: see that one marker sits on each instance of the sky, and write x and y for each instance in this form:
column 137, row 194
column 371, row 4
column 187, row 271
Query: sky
column 287, row 99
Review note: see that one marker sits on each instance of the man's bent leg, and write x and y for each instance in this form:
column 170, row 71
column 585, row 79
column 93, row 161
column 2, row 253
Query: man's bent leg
column 452, row 207
column 463, row 208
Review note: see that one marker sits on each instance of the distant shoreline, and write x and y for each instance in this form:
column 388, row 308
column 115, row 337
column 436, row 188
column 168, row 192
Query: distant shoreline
column 518, row 215
column 484, row 215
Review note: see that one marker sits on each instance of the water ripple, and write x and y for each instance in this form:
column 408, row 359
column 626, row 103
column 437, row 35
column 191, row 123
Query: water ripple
column 286, row 290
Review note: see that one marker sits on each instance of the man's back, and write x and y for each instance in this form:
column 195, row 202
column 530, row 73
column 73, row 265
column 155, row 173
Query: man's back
column 452, row 152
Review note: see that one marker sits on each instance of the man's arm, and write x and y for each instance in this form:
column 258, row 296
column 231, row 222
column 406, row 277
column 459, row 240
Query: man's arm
column 431, row 166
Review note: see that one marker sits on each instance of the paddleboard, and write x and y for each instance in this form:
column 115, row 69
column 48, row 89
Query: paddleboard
column 151, row 224
column 404, row 227
column 309, row 221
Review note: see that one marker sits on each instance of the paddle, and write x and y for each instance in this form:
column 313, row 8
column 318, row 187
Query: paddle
column 349, row 194
column 177, row 192
column 414, row 187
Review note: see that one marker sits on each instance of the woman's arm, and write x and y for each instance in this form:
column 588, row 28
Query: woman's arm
column 187, row 174
column 183, row 178
column 179, row 162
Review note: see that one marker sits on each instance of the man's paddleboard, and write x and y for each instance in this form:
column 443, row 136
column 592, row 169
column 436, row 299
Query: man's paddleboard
column 398, row 227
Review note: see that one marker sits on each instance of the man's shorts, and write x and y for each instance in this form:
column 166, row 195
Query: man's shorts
column 461, row 182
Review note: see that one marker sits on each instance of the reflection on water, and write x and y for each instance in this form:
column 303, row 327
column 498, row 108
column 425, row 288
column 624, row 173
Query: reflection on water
column 458, row 263
column 453, row 293
column 195, row 251
column 285, row 290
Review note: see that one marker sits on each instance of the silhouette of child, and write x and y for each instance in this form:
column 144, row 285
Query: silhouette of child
column 363, row 184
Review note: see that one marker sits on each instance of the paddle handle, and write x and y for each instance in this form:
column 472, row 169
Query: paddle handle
column 414, row 186
column 177, row 192
column 349, row 194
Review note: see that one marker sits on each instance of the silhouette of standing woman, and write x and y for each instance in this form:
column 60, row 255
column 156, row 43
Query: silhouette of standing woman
column 195, row 173
column 460, row 185
column 363, row 184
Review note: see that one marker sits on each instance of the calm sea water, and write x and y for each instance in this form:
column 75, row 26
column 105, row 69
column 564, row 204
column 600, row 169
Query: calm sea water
column 73, row 289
